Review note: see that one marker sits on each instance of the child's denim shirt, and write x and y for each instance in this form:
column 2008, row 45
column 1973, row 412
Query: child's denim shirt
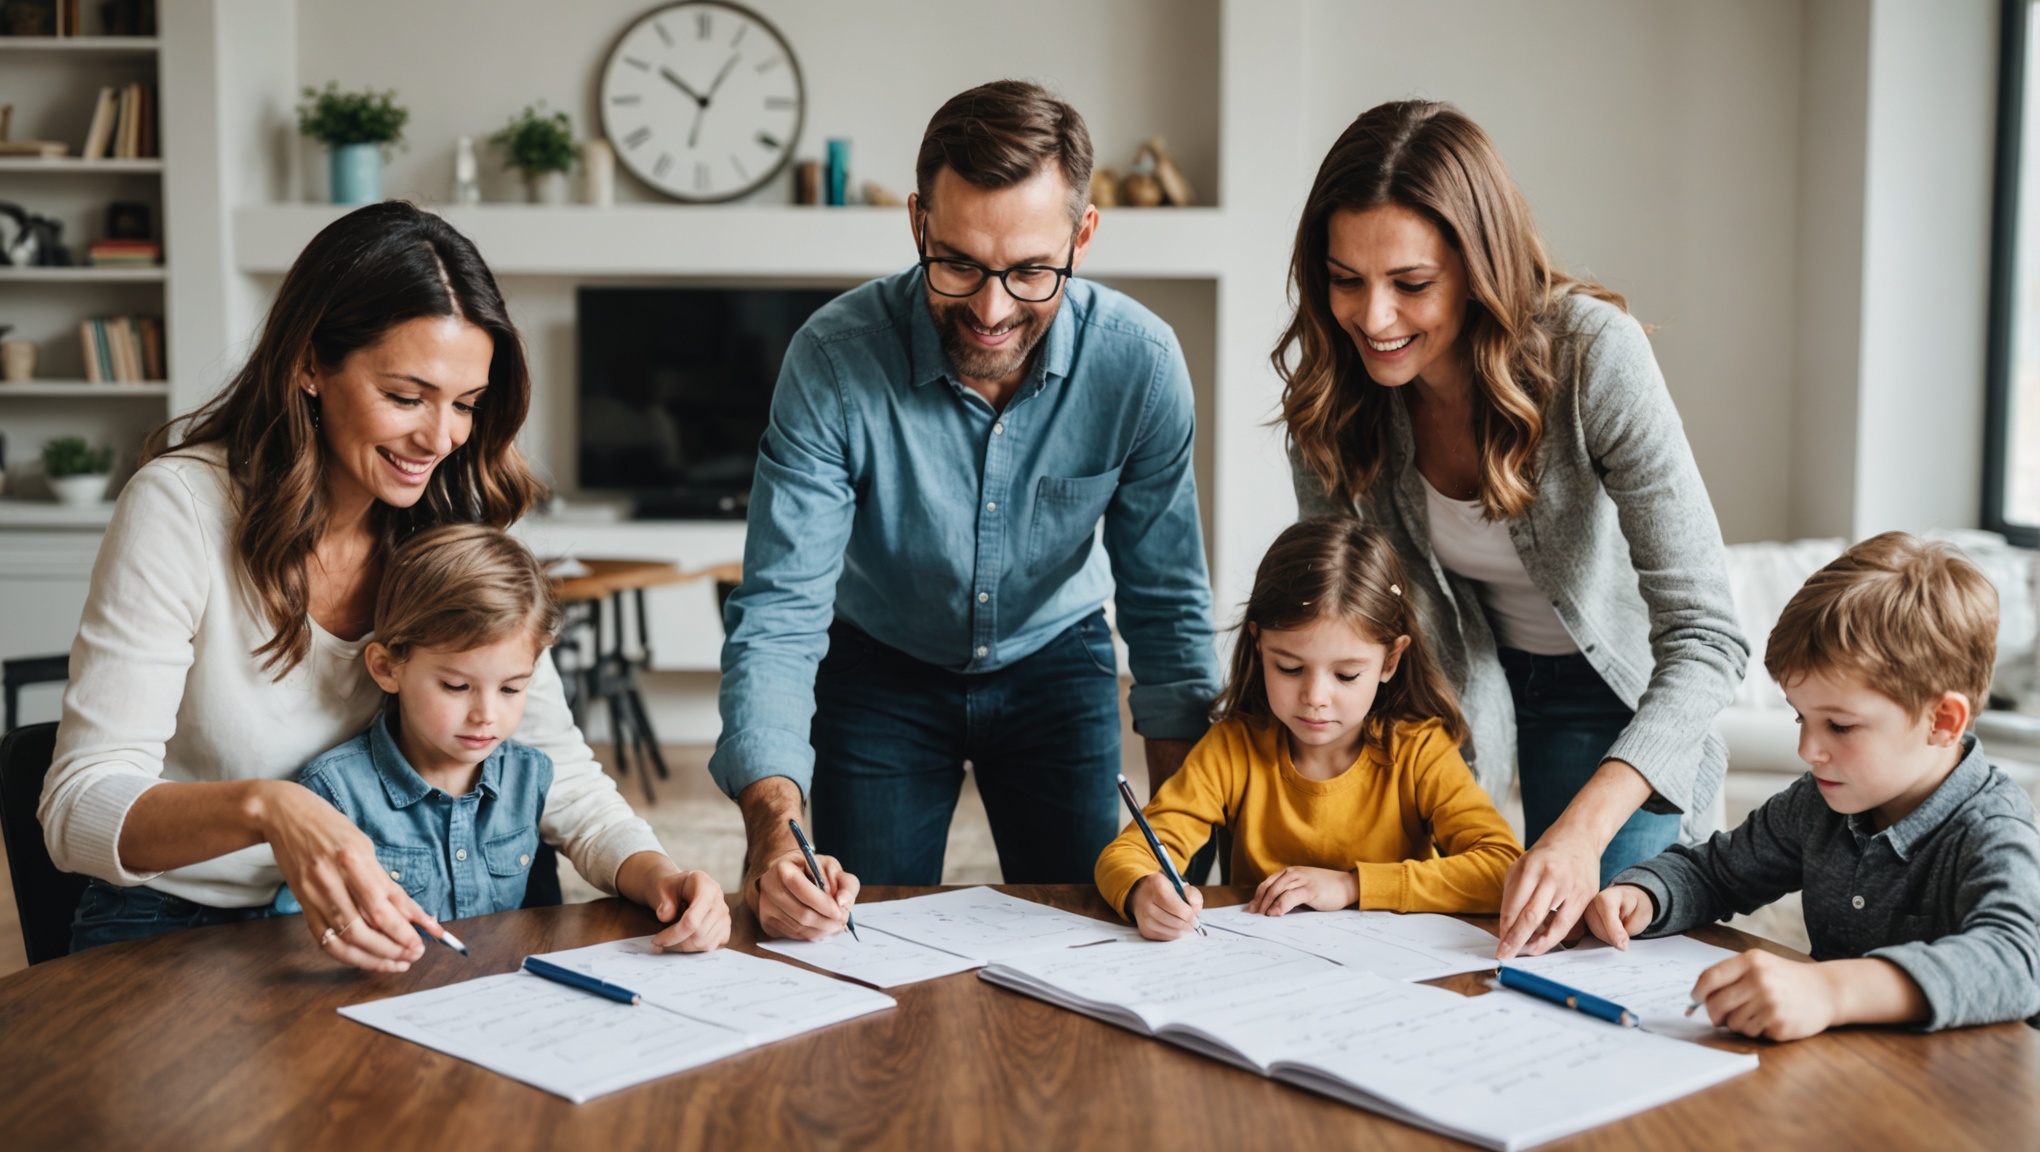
column 458, row 856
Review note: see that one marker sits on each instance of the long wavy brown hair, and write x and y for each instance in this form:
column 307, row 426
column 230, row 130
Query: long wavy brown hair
column 362, row 275
column 1338, row 568
column 1429, row 157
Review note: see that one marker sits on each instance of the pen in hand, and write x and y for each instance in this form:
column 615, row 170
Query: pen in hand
column 1161, row 854
column 815, row 872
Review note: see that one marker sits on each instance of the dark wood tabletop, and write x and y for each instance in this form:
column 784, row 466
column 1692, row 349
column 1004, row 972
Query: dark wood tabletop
column 228, row 1038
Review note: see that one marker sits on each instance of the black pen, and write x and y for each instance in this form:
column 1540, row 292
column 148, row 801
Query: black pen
column 815, row 870
column 1161, row 854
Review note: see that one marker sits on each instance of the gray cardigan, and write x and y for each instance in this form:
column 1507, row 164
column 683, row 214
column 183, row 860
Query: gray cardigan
column 1623, row 540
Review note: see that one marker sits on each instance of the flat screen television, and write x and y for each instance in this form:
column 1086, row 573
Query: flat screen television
column 675, row 386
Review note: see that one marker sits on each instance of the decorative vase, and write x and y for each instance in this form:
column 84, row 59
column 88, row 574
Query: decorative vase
column 546, row 188
column 17, row 361
column 598, row 173
column 80, row 491
column 357, row 173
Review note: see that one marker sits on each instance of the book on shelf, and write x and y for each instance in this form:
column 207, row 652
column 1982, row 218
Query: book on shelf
column 122, row 349
column 124, row 253
column 123, row 124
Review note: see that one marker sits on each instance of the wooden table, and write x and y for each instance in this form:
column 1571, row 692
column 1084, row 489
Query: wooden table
column 227, row 1037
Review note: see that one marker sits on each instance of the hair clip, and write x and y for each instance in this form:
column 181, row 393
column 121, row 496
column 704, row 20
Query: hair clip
column 1395, row 589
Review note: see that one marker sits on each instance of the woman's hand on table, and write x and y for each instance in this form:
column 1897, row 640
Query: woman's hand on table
column 691, row 904
column 355, row 913
column 1545, row 892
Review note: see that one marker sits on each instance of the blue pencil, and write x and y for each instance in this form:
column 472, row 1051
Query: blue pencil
column 1566, row 996
column 581, row 980
column 1155, row 845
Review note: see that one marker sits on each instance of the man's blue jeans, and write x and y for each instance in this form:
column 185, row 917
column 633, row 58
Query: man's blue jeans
column 1566, row 720
column 891, row 735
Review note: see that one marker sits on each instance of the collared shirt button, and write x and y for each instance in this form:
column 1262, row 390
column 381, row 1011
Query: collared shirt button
column 999, row 429
column 396, row 875
column 523, row 860
column 1856, row 902
column 983, row 651
column 991, row 506
column 984, row 596
column 460, row 854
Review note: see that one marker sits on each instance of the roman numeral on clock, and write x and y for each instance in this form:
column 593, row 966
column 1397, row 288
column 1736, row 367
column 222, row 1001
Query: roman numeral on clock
column 637, row 138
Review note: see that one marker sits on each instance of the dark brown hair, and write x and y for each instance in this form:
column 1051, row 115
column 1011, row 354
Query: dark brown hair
column 999, row 134
column 1337, row 568
column 1913, row 618
column 362, row 275
column 459, row 587
column 1428, row 157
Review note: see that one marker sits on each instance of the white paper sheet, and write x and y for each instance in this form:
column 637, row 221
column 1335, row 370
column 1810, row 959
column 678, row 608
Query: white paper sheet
column 1407, row 946
column 1508, row 1071
column 558, row 1039
column 985, row 925
column 1653, row 979
column 878, row 958
column 764, row 1000
column 1157, row 982
column 1270, row 1021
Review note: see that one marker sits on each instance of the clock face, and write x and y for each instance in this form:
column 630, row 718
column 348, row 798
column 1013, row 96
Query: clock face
column 703, row 100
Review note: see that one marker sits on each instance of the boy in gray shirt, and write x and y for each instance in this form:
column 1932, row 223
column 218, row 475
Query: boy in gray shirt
column 1919, row 861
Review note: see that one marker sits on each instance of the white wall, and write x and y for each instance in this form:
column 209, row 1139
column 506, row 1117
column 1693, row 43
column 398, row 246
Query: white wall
column 875, row 71
column 1657, row 143
column 1926, row 263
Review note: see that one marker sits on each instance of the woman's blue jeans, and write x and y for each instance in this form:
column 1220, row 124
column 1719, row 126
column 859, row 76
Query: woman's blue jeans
column 1566, row 720
column 109, row 914
column 891, row 734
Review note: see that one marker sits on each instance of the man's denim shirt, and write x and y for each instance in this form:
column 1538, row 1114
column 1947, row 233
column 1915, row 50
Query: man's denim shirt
column 890, row 496
column 458, row 856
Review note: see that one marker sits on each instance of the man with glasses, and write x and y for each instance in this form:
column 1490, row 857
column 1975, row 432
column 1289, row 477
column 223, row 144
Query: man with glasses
column 923, row 583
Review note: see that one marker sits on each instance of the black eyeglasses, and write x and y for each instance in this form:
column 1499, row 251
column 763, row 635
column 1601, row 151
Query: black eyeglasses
column 1027, row 283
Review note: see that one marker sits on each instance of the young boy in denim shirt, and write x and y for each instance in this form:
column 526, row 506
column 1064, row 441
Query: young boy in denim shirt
column 456, row 808
column 1919, row 861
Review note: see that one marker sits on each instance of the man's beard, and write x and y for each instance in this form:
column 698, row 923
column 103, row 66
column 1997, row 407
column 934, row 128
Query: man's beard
column 974, row 360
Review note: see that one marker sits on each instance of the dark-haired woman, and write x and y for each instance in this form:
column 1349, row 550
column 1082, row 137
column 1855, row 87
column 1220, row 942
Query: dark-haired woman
column 1508, row 427
column 233, row 595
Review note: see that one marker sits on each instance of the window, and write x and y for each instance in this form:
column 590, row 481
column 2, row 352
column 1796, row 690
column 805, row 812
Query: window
column 2011, row 483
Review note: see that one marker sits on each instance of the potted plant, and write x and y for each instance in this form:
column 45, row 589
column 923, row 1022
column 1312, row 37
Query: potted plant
column 77, row 472
column 542, row 147
column 357, row 127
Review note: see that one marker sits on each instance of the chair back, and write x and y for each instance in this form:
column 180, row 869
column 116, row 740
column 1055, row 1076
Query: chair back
column 45, row 898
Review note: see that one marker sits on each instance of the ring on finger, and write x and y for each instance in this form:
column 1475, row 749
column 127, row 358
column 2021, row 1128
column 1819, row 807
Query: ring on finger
column 331, row 933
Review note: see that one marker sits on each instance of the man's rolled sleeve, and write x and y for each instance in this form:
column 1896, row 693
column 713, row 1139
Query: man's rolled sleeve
column 1156, row 544
column 777, row 621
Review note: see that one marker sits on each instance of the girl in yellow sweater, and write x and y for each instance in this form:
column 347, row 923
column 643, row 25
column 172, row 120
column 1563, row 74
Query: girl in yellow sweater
column 1334, row 760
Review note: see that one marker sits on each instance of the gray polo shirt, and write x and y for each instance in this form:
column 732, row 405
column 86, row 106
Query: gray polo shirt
column 1949, row 894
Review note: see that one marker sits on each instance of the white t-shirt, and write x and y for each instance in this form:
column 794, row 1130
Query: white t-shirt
column 1479, row 549
column 164, row 687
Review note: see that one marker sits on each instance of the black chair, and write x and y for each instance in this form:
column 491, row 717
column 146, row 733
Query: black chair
column 45, row 898
column 18, row 674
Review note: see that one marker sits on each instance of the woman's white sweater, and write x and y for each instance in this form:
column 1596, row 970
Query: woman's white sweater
column 165, row 686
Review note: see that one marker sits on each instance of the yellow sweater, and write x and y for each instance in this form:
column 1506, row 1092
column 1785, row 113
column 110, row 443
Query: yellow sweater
column 1420, row 834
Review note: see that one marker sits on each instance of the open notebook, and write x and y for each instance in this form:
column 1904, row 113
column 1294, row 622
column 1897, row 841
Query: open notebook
column 1504, row 1072
column 697, row 1008
column 922, row 937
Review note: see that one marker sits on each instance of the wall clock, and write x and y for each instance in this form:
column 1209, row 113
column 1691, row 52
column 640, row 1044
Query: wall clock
column 703, row 100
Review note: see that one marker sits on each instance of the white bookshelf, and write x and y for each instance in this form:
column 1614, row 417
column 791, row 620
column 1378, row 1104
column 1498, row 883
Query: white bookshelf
column 83, row 390
column 719, row 241
column 83, row 275
column 82, row 45
column 74, row 165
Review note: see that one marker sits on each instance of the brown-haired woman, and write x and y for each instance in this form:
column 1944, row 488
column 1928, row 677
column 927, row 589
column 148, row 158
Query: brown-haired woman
column 1335, row 759
column 220, row 648
column 1507, row 426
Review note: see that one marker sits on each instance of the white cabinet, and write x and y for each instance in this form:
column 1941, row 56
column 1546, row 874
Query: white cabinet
column 43, row 580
